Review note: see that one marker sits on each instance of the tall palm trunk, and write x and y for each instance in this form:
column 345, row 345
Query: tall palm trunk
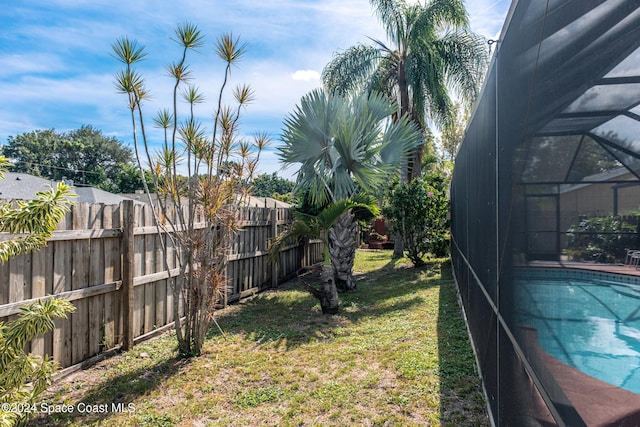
column 342, row 250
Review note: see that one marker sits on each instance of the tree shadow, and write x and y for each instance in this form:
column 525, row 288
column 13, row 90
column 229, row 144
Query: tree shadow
column 461, row 396
column 111, row 396
column 290, row 316
column 287, row 318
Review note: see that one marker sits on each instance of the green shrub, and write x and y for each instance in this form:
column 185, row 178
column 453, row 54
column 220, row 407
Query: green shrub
column 419, row 211
column 24, row 376
column 601, row 239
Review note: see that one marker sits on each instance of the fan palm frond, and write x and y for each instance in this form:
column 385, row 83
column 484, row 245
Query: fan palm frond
column 341, row 144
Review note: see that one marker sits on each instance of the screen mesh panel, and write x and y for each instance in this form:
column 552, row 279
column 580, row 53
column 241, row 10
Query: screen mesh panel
column 545, row 214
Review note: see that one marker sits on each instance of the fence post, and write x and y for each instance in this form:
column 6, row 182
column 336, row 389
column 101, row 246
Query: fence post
column 128, row 223
column 274, row 234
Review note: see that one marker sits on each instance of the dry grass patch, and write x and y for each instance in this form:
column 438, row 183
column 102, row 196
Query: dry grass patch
column 397, row 354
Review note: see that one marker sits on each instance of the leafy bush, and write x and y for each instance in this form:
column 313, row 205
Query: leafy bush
column 601, row 239
column 24, row 376
column 419, row 211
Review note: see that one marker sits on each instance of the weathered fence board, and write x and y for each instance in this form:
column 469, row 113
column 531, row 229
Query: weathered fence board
column 108, row 261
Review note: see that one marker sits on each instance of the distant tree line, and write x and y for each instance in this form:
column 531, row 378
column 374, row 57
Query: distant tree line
column 272, row 185
column 84, row 156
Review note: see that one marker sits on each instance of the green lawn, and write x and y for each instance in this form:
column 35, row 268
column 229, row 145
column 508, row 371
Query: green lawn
column 397, row 355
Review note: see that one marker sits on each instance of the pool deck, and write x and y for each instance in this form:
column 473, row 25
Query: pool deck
column 598, row 403
column 629, row 270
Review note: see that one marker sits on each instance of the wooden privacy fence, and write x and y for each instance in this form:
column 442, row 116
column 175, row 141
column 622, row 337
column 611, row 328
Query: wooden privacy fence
column 102, row 254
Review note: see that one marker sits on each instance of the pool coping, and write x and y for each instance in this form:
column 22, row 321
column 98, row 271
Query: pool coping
column 623, row 269
column 598, row 403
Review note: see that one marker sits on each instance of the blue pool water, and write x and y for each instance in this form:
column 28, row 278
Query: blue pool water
column 591, row 323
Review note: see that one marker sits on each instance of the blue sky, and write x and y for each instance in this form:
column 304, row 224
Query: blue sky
column 56, row 68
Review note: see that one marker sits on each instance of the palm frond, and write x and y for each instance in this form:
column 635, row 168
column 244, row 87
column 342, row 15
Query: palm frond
column 400, row 138
column 444, row 13
column 392, row 17
column 129, row 81
column 163, row 119
column 340, row 145
column 244, row 94
column 304, row 226
column 347, row 71
column 179, row 71
column 466, row 58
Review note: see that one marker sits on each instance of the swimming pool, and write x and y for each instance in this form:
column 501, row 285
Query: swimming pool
column 589, row 321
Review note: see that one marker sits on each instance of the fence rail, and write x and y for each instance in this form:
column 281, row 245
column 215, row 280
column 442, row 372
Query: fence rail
column 107, row 260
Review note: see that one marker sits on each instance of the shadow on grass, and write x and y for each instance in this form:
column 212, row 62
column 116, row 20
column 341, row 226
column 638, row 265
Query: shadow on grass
column 462, row 399
column 113, row 395
column 289, row 316
column 286, row 317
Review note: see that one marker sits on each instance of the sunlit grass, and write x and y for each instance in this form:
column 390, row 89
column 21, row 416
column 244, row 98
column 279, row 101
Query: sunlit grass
column 397, row 354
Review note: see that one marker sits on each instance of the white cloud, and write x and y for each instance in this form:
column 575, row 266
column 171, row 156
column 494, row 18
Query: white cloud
column 20, row 63
column 306, row 75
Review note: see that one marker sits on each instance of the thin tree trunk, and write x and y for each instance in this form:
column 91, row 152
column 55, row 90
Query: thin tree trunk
column 342, row 250
column 415, row 168
column 398, row 245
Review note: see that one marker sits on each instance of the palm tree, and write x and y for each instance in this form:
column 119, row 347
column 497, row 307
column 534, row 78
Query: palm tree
column 321, row 226
column 345, row 147
column 431, row 50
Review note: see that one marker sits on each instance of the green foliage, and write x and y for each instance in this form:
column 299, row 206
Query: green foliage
column 23, row 377
column 219, row 168
column 430, row 51
column 266, row 185
column 453, row 132
column 345, row 145
column 85, row 156
column 305, row 204
column 601, row 239
column 316, row 226
column 419, row 211
column 129, row 180
column 258, row 396
column 33, row 221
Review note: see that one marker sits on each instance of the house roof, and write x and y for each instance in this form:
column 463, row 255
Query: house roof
column 22, row 186
column 250, row 201
column 264, row 202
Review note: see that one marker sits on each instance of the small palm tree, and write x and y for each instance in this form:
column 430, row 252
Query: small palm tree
column 321, row 226
column 431, row 50
column 345, row 147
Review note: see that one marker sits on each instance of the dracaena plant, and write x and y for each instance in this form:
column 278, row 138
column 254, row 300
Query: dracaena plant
column 199, row 171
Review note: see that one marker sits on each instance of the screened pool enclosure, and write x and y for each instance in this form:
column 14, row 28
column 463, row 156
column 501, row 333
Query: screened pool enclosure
column 545, row 216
